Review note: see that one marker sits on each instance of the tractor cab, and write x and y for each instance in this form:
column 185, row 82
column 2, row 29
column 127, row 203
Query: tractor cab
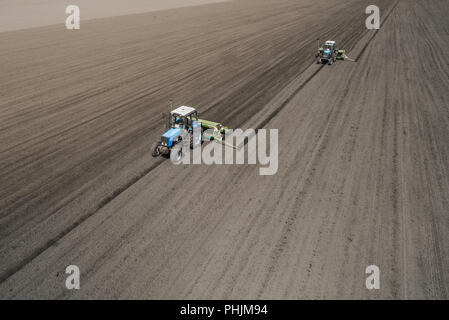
column 327, row 52
column 183, row 118
column 329, row 47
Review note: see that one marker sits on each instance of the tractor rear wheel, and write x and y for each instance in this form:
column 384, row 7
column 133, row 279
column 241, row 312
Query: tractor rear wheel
column 195, row 139
column 155, row 149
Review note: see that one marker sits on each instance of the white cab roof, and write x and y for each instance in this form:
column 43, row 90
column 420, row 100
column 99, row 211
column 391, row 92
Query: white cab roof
column 330, row 43
column 183, row 111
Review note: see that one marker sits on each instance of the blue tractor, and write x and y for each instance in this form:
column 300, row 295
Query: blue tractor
column 184, row 127
column 328, row 53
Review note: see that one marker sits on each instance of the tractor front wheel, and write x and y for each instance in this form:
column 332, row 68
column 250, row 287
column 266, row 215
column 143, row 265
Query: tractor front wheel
column 176, row 154
column 155, row 152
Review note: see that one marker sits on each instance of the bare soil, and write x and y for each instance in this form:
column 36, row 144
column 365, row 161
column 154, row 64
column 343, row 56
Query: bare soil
column 363, row 154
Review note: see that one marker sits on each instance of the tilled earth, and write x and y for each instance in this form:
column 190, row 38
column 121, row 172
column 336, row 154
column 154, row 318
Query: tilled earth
column 363, row 172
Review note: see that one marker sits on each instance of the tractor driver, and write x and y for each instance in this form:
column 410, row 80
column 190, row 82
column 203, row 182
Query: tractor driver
column 179, row 122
